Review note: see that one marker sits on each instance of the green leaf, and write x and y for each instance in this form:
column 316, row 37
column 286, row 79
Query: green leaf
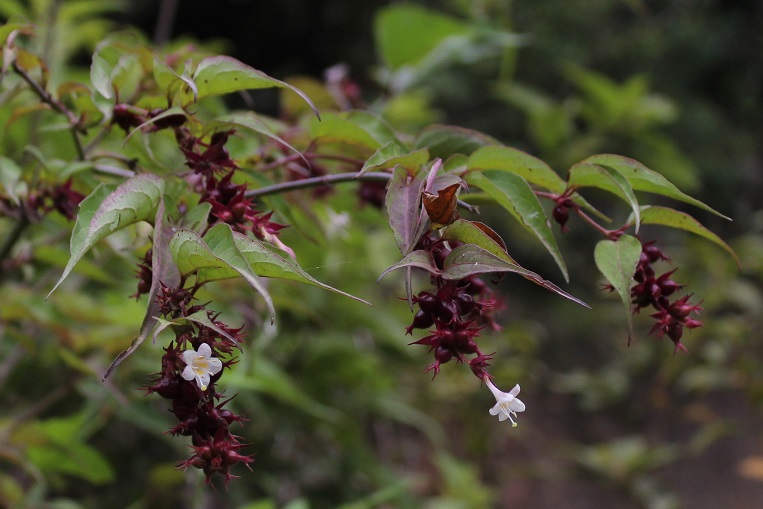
column 592, row 175
column 100, row 75
column 10, row 175
column 508, row 159
column 175, row 110
column 106, row 211
column 197, row 218
column 163, row 271
column 513, row 193
column 445, row 140
column 403, row 203
column 669, row 217
column 468, row 233
column 393, row 154
column 222, row 75
column 405, row 34
column 251, row 122
column 617, row 261
column 267, row 260
column 642, row 178
column 469, row 259
column 220, row 241
column 420, row 259
column 339, row 128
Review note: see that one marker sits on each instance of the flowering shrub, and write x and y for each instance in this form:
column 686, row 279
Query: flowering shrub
column 168, row 138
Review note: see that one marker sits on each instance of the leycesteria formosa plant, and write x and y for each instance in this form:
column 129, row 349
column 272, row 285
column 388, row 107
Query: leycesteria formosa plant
column 209, row 222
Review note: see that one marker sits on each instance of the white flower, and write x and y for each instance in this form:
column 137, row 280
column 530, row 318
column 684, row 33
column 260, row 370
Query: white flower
column 507, row 403
column 200, row 365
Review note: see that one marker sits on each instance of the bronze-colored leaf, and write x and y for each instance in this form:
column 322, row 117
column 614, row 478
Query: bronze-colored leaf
column 441, row 208
column 490, row 233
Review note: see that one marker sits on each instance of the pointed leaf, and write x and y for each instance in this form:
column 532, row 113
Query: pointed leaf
column 267, row 260
column 249, row 120
column 175, row 110
column 220, row 259
column 219, row 238
column 420, row 259
column 617, row 261
column 403, row 203
column 10, row 175
column 163, row 271
column 445, row 140
column 532, row 169
column 669, row 217
column 340, row 128
column 469, row 259
column 202, row 318
column 472, row 232
column 513, row 193
column 642, row 178
column 592, row 175
column 222, row 75
column 99, row 216
column 393, row 154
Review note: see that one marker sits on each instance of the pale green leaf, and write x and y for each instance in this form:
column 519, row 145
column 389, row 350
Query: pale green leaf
column 222, row 75
column 106, row 211
column 675, row 219
column 468, row 233
column 393, row 154
column 420, row 259
column 617, row 261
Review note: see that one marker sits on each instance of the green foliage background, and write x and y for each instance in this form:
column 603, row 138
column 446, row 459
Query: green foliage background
column 340, row 414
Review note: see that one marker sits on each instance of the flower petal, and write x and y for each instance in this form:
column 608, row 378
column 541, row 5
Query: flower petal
column 206, row 351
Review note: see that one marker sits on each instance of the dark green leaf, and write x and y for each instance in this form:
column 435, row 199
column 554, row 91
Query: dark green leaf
column 392, row 154
column 642, row 178
column 419, row 259
column 468, row 233
column 592, row 175
column 469, row 259
column 513, row 193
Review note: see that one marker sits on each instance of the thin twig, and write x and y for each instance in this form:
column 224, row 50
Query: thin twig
column 336, row 178
column 57, row 105
column 311, row 155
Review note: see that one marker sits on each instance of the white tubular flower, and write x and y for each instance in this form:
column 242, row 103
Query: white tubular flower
column 507, row 404
column 200, row 365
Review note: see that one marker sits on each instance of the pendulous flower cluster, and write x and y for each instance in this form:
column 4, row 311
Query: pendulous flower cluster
column 191, row 366
column 672, row 317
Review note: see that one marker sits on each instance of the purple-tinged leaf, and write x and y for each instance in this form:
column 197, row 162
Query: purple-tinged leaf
column 420, row 259
column 403, row 203
column 514, row 194
column 470, row 259
column 642, row 178
column 163, row 271
column 617, row 261
column 107, row 210
column 468, row 232
column 675, row 219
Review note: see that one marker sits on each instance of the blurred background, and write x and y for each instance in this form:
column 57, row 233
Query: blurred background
column 340, row 413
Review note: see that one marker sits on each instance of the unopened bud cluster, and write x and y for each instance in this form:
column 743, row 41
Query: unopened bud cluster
column 672, row 316
column 190, row 370
column 458, row 310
